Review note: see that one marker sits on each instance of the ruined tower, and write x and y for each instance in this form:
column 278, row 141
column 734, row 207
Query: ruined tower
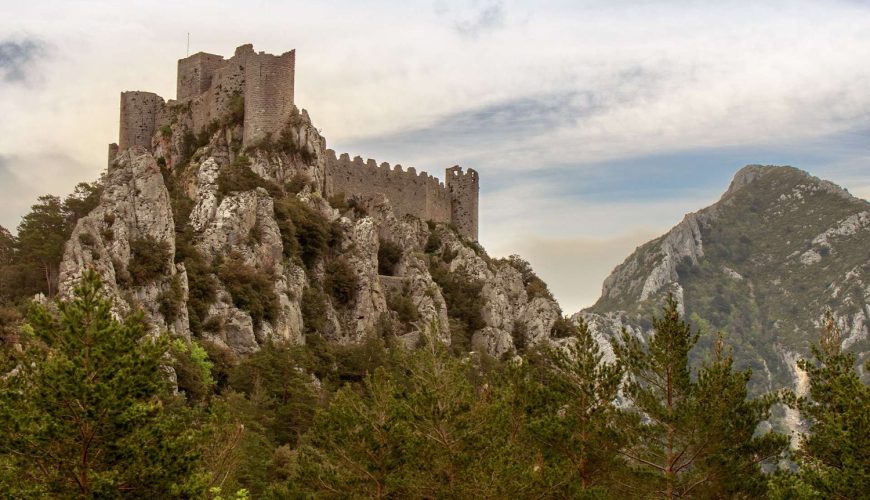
column 269, row 82
column 195, row 74
column 464, row 189
column 140, row 115
column 261, row 86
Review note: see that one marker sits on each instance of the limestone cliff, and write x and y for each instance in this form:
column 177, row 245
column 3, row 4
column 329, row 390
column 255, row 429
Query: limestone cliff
column 240, row 246
column 762, row 265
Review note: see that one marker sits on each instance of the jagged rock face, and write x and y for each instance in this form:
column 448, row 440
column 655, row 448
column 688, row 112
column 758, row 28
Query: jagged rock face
column 238, row 226
column 134, row 206
column 761, row 265
column 511, row 317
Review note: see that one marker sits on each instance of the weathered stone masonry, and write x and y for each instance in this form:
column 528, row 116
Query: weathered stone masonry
column 208, row 84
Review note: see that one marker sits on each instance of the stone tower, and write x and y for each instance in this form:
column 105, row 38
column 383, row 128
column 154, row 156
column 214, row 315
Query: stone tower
column 269, row 87
column 195, row 74
column 140, row 116
column 464, row 189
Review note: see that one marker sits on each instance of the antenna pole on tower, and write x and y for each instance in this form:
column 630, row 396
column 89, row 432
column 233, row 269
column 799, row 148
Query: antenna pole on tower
column 188, row 44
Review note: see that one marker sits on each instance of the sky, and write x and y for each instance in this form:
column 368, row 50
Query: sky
column 595, row 125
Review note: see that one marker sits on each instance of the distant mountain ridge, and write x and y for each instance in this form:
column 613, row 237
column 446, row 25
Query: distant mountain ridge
column 761, row 265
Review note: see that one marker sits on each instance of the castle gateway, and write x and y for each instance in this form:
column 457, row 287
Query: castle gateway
column 210, row 87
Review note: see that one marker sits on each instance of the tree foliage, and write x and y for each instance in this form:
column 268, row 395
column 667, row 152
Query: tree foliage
column 697, row 436
column 89, row 411
column 833, row 458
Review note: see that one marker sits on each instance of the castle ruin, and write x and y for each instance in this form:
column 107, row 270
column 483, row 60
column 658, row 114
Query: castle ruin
column 208, row 84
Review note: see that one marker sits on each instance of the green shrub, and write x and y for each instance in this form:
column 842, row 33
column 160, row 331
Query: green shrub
column 239, row 177
column 149, row 259
column 201, row 285
column 389, row 254
column 87, row 239
column 519, row 335
column 433, row 243
column 338, row 201
column 341, row 282
column 562, row 328
column 462, row 295
column 535, row 286
column 236, row 110
column 297, row 183
column 402, row 303
column 251, row 289
column 313, row 310
column 192, row 369
column 312, row 233
column 171, row 300
column 166, row 131
column 283, row 216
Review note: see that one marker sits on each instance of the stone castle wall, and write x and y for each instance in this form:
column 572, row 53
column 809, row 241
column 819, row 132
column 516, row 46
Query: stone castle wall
column 269, row 87
column 141, row 114
column 208, row 84
column 195, row 74
column 464, row 191
column 420, row 195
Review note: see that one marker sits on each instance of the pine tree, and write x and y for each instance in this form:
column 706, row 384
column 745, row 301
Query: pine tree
column 697, row 437
column 573, row 416
column 834, row 458
column 89, row 411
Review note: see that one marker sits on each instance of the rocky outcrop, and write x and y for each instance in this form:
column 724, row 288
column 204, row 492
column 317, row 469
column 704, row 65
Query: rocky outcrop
column 134, row 211
column 245, row 282
column 762, row 265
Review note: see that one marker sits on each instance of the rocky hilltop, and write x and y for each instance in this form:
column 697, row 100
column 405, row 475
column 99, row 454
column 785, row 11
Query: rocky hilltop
column 238, row 245
column 761, row 265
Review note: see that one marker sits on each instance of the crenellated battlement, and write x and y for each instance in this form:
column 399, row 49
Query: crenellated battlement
column 208, row 89
column 418, row 194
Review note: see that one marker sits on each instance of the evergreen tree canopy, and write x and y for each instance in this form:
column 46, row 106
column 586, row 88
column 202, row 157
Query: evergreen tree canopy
column 572, row 414
column 834, row 458
column 697, row 437
column 89, row 411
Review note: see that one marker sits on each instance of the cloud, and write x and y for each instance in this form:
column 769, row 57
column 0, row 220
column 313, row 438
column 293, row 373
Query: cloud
column 488, row 18
column 18, row 58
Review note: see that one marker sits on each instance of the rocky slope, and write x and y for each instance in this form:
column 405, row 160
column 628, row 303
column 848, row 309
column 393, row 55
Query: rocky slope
column 761, row 265
column 240, row 247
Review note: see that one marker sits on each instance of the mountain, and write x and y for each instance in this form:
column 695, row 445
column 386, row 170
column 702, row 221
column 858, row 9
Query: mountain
column 761, row 265
column 239, row 245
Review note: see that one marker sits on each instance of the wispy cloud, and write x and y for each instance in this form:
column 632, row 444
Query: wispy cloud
column 489, row 17
column 18, row 58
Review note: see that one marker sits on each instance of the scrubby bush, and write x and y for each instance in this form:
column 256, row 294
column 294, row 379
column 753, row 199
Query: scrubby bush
column 297, row 183
column 402, row 303
column 304, row 230
column 562, row 328
column 341, row 282
column 87, row 239
column 313, row 310
column 464, row 303
column 236, row 110
column 535, row 286
column 389, row 255
column 433, row 243
column 170, row 300
column 251, row 289
column 192, row 369
column 239, row 177
column 150, row 259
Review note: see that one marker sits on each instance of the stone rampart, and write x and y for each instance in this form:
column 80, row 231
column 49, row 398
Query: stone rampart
column 420, row 195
